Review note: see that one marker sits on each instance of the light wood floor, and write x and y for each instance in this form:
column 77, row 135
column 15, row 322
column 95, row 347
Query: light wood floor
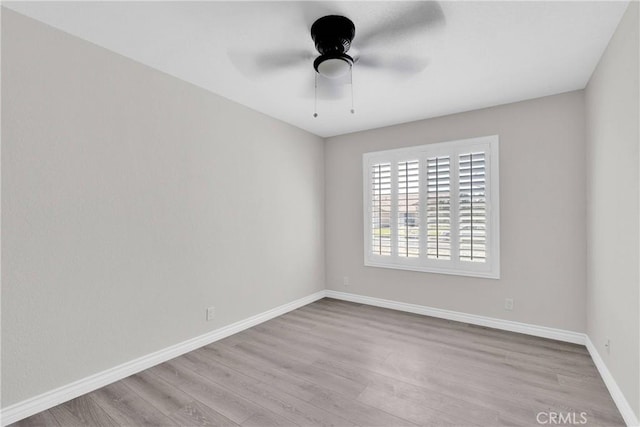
column 345, row 364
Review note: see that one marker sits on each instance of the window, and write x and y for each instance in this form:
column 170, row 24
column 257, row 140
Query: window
column 434, row 208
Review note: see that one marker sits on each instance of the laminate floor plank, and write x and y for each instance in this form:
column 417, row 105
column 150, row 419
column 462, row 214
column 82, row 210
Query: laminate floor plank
column 336, row 335
column 332, row 400
column 41, row 419
column 65, row 418
column 431, row 341
column 473, row 332
column 589, row 383
column 489, row 395
column 165, row 397
column 450, row 356
column 322, row 342
column 469, row 359
column 414, row 411
column 279, row 379
column 358, row 412
column 303, row 370
column 507, row 384
column 214, row 396
column 407, row 372
column 557, row 364
column 267, row 420
column 345, row 364
column 127, row 408
column 287, row 406
column 195, row 413
column 82, row 411
column 421, row 332
column 362, row 345
column 298, row 323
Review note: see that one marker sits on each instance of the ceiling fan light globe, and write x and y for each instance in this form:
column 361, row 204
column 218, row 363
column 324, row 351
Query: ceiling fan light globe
column 334, row 68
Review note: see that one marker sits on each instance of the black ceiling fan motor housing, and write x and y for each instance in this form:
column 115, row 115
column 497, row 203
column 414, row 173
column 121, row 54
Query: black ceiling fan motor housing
column 333, row 34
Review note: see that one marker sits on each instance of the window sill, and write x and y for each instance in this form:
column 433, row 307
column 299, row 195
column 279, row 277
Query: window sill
column 435, row 269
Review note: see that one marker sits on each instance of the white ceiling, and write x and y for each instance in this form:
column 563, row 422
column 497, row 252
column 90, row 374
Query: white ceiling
column 478, row 55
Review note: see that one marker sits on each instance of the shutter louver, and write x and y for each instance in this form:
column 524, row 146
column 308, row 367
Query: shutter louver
column 472, row 208
column 381, row 209
column 409, row 209
column 438, row 208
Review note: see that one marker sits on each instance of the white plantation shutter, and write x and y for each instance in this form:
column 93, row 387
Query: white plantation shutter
column 472, row 217
column 381, row 208
column 438, row 207
column 434, row 208
column 408, row 208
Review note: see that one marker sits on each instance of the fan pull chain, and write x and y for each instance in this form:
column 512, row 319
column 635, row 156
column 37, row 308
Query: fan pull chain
column 315, row 93
column 315, row 97
column 351, row 82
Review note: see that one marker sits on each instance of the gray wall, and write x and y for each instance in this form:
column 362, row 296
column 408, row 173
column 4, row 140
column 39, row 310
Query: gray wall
column 542, row 195
column 611, row 98
column 131, row 201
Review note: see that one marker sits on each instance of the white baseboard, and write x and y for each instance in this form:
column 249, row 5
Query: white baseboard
column 62, row 394
column 506, row 325
column 616, row 394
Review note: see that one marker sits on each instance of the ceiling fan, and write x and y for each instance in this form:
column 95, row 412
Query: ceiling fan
column 333, row 35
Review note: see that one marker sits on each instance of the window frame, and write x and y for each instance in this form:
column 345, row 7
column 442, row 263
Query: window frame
column 489, row 269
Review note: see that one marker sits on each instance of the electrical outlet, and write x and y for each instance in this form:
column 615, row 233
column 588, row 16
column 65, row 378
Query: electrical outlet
column 211, row 313
column 508, row 304
column 607, row 345
column 345, row 281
